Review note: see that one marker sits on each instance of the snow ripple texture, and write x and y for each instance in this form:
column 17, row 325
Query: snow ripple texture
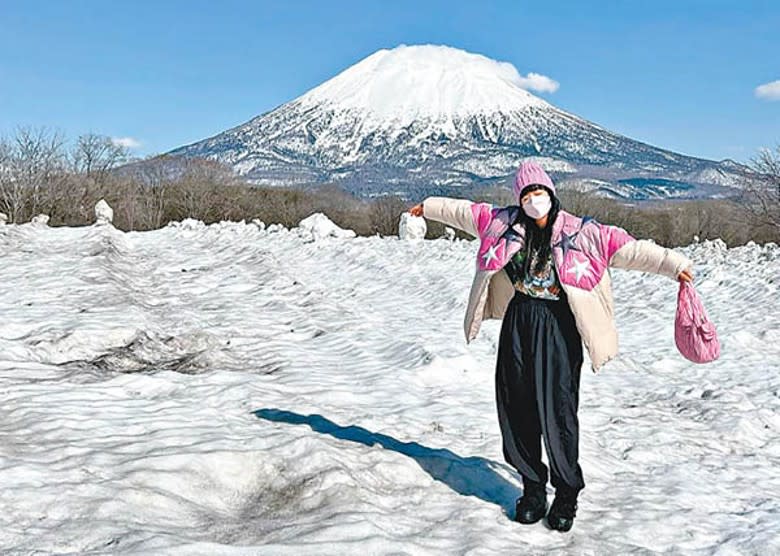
column 230, row 390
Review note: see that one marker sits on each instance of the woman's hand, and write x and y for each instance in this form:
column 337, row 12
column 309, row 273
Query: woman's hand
column 686, row 276
column 416, row 210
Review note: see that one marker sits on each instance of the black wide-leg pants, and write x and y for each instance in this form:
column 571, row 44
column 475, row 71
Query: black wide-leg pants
column 537, row 390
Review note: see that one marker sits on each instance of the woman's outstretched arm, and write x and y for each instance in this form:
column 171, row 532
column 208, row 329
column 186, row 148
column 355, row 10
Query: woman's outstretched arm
column 625, row 251
column 462, row 214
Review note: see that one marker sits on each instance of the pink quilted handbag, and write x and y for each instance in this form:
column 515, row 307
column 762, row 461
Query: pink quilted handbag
column 694, row 332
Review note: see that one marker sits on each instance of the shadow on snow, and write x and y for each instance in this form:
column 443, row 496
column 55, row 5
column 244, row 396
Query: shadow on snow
column 469, row 476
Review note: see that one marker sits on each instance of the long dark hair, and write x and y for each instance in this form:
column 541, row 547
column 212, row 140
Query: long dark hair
column 538, row 239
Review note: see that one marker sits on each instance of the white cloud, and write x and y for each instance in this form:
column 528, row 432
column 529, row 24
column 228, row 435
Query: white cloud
column 769, row 91
column 531, row 82
column 126, row 142
column 538, row 82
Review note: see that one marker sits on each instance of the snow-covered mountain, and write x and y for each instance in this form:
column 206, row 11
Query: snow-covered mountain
column 424, row 119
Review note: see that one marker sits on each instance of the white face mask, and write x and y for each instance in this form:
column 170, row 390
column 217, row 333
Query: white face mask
column 536, row 206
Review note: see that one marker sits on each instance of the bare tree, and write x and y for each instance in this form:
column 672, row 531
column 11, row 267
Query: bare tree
column 155, row 176
column 94, row 156
column 10, row 201
column 761, row 192
column 385, row 214
column 205, row 190
column 33, row 165
column 41, row 162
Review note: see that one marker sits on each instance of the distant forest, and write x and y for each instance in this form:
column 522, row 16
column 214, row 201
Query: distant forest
column 42, row 173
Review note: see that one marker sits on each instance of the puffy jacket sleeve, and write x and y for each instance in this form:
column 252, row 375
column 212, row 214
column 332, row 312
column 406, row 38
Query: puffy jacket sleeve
column 462, row 214
column 624, row 251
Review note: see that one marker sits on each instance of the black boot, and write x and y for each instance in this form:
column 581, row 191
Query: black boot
column 532, row 506
column 562, row 511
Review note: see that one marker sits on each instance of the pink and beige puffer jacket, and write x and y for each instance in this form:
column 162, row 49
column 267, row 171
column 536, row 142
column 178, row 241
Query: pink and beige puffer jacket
column 583, row 250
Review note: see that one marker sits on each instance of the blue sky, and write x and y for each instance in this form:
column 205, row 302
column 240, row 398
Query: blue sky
column 677, row 74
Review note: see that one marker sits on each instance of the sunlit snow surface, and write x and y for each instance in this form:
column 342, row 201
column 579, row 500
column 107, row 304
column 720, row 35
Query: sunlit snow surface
column 227, row 390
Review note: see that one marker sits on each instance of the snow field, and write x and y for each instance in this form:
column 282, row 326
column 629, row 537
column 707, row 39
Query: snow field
column 229, row 389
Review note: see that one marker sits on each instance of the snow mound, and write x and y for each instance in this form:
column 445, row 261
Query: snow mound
column 3, row 218
column 40, row 220
column 320, row 226
column 103, row 212
column 412, row 227
column 189, row 224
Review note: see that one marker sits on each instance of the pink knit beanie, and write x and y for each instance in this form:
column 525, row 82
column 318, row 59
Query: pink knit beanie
column 530, row 173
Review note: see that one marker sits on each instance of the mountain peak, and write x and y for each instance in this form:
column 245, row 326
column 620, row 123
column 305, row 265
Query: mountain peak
column 424, row 81
column 430, row 118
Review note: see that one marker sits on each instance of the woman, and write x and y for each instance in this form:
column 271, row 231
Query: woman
column 544, row 271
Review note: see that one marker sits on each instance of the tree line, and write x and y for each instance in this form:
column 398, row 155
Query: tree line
column 42, row 173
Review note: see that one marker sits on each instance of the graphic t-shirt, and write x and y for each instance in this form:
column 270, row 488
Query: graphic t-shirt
column 542, row 284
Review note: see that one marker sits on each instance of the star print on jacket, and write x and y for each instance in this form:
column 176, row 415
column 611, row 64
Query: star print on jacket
column 566, row 242
column 579, row 268
column 491, row 254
